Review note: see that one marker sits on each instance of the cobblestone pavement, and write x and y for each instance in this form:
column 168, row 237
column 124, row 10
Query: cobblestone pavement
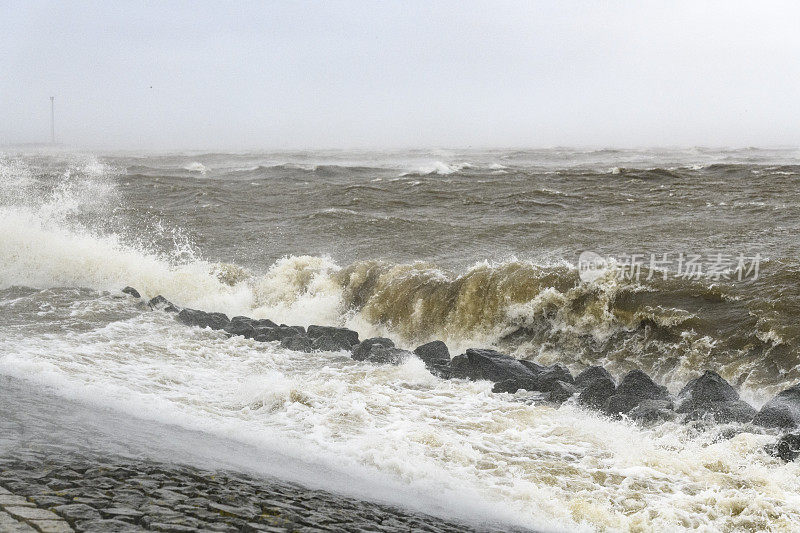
column 68, row 467
column 55, row 491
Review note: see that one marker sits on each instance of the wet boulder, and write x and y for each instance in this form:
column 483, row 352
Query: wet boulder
column 548, row 375
column 634, row 388
column 723, row 412
column 556, row 391
column 708, row 388
column 787, row 447
column 651, row 411
column 783, row 411
column 595, row 388
column 436, row 357
column 331, row 339
column 202, row 319
column 331, row 343
column 511, row 386
column 342, row 335
column 363, row 349
column 561, row 391
column 490, row 365
column 241, row 325
column 133, row 292
column 297, row 343
column 709, row 396
column 544, row 379
column 433, row 353
column 387, row 355
column 591, row 374
column 159, row 303
column 277, row 333
column 263, row 323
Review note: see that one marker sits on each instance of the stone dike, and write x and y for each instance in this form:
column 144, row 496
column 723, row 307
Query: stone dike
column 51, row 491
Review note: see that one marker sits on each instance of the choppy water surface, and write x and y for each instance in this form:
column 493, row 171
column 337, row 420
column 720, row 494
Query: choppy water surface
column 475, row 248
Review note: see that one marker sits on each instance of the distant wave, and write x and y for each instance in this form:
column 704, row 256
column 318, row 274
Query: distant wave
column 438, row 167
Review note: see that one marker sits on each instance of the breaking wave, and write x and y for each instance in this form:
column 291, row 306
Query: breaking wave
column 536, row 311
column 50, row 236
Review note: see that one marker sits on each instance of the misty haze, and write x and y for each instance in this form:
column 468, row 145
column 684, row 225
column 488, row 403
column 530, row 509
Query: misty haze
column 420, row 266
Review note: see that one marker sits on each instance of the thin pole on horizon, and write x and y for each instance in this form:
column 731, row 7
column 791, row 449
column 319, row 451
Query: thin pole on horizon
column 52, row 120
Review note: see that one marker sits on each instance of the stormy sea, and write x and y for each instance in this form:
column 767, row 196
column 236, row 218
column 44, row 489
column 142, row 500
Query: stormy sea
column 695, row 274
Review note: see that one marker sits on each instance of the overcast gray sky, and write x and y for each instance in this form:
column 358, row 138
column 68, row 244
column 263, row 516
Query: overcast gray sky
column 401, row 74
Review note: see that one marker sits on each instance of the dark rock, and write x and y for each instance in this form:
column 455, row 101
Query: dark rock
column 297, row 343
column 549, row 375
column 650, row 411
column 433, row 353
column 490, row 365
column 201, row 319
column 441, row 370
column 264, row 323
column 241, row 325
column 545, row 379
column 703, row 390
column 387, row 355
column 362, row 351
column 635, row 387
column 561, row 391
column 553, row 372
column 133, row 292
column 591, row 374
column 723, row 412
column 77, row 511
column 787, row 447
column 637, row 382
column 783, row 411
column 711, row 397
column 596, row 393
column 341, row 334
column 335, row 343
column 159, row 303
column 277, row 333
column 511, row 385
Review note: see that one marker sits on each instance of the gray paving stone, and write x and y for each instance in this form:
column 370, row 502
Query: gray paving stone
column 161, row 497
column 8, row 524
column 47, row 501
column 106, row 526
column 121, row 513
column 14, row 500
column 30, row 513
column 77, row 511
column 52, row 526
column 230, row 510
column 171, row 528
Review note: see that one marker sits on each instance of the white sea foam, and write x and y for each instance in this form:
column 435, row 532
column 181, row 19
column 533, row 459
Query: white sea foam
column 196, row 166
column 438, row 167
column 552, row 469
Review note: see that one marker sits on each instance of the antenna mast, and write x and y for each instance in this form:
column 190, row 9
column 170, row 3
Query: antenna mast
column 52, row 121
